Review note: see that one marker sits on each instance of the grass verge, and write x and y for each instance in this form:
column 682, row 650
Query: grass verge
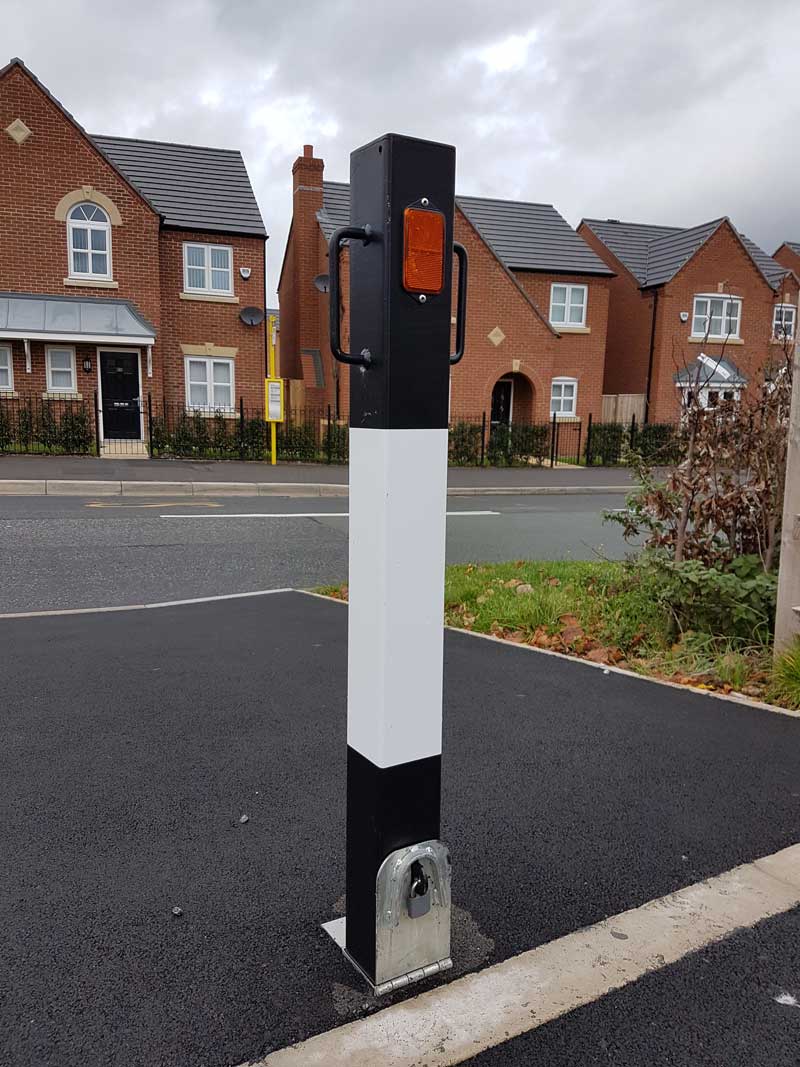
column 604, row 612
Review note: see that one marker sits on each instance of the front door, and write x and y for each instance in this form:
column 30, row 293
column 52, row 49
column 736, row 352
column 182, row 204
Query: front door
column 501, row 402
column 119, row 385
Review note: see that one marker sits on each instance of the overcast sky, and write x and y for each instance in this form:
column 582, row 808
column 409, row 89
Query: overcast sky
column 662, row 111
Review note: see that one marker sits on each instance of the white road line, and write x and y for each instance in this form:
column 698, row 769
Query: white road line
column 306, row 515
column 454, row 1022
column 140, row 607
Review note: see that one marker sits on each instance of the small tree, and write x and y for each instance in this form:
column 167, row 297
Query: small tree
column 724, row 498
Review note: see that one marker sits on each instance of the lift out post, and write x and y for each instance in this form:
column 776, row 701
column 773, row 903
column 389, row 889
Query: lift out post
column 401, row 253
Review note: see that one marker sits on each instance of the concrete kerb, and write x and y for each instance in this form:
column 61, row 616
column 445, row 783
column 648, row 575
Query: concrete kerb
column 80, row 487
column 730, row 698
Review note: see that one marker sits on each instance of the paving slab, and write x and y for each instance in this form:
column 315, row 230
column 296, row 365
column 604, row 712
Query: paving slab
column 135, row 742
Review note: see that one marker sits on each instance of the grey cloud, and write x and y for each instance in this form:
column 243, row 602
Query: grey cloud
column 661, row 111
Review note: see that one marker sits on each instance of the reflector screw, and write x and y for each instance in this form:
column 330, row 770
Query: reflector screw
column 422, row 298
column 424, row 201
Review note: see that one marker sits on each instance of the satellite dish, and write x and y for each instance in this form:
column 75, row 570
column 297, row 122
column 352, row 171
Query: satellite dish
column 251, row 316
column 322, row 282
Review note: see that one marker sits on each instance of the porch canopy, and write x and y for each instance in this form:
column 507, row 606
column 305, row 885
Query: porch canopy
column 40, row 317
column 711, row 372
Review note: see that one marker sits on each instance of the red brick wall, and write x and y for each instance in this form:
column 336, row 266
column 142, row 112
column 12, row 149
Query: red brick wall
column 196, row 322
column 629, row 324
column 494, row 300
column 58, row 159
column 721, row 260
column 788, row 258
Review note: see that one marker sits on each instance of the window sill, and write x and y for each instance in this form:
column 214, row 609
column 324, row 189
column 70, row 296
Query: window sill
column 208, row 413
column 565, row 418
column 715, row 341
column 62, row 396
column 571, row 329
column 92, row 283
column 211, row 298
column 782, row 341
column 9, row 394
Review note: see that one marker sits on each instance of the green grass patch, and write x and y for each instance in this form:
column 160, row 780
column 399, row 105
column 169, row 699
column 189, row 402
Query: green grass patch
column 610, row 613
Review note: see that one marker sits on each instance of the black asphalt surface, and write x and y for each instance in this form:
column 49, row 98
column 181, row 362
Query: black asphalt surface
column 68, row 552
column 178, row 470
column 717, row 1008
column 134, row 743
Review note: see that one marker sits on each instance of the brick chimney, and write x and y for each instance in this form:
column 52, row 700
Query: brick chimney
column 299, row 300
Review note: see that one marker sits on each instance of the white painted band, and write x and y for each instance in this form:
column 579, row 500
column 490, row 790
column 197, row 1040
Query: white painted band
column 455, row 1022
column 398, row 494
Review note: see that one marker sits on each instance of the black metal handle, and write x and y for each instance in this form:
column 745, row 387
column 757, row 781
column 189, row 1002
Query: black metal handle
column 461, row 302
column 354, row 233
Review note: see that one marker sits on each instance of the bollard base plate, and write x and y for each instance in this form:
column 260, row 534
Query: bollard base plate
column 336, row 929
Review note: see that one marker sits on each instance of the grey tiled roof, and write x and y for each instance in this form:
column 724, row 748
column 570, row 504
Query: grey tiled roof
column 193, row 188
column 794, row 245
column 335, row 210
column 531, row 236
column 523, row 236
column 655, row 254
column 22, row 314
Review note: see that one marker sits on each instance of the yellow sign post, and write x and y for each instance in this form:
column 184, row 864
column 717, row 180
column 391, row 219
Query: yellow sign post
column 273, row 389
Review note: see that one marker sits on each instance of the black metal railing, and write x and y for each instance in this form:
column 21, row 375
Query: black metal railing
column 75, row 426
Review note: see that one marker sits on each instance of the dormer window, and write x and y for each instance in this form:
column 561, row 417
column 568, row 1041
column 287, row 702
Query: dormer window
column 89, row 242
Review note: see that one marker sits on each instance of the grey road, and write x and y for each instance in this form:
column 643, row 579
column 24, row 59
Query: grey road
column 136, row 740
column 64, row 552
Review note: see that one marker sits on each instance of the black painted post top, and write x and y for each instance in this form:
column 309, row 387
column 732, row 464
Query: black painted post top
column 406, row 333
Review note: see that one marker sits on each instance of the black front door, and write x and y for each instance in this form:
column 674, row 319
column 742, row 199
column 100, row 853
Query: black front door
column 119, row 384
column 501, row 402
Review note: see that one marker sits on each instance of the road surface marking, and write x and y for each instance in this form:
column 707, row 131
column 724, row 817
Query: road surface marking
column 454, row 1022
column 161, row 504
column 305, row 515
column 139, row 607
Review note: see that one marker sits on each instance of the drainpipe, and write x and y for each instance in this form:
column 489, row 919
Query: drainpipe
column 650, row 357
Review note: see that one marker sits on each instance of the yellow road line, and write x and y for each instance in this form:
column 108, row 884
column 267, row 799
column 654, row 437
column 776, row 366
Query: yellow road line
column 167, row 504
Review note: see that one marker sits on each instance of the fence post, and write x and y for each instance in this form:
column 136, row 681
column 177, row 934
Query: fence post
column 328, row 437
column 96, row 423
column 553, row 432
column 241, row 427
column 578, row 450
column 589, row 441
column 633, row 430
column 483, row 438
column 150, row 423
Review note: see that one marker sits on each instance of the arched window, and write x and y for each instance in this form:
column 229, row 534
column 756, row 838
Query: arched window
column 89, row 242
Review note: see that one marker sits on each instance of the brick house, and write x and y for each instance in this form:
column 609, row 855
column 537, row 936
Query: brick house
column 788, row 255
column 125, row 265
column 536, row 317
column 693, row 312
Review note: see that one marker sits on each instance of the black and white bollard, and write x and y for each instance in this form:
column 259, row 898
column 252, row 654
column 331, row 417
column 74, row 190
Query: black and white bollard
column 397, row 928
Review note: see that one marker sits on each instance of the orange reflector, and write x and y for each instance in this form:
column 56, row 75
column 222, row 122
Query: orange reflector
column 423, row 250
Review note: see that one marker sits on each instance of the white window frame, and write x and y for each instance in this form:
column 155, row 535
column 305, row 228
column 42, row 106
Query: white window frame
column 209, row 408
column 10, row 387
column 58, row 388
column 701, row 393
column 85, row 224
column 783, row 308
column 727, row 301
column 569, row 303
column 562, row 414
column 206, row 268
